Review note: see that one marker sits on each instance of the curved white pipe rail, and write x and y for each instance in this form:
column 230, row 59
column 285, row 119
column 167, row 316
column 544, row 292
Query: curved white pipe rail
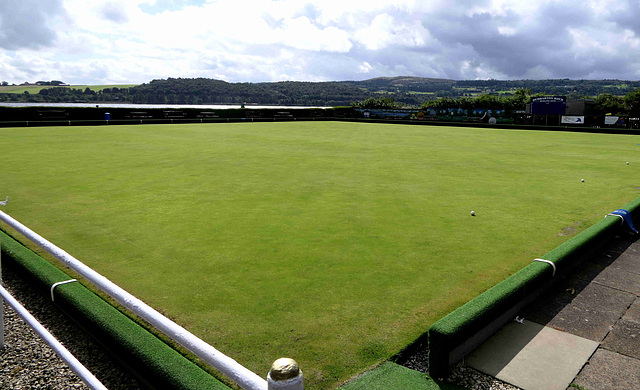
column 53, row 287
column 553, row 265
column 242, row 376
column 75, row 365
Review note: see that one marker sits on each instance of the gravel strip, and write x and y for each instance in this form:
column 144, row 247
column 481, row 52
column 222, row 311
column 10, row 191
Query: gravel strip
column 475, row 380
column 27, row 362
column 461, row 375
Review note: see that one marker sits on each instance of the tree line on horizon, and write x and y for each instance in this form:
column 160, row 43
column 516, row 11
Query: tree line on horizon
column 604, row 103
column 611, row 96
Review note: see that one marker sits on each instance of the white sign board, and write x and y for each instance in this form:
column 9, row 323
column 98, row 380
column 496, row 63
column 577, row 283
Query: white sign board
column 572, row 120
column 611, row 120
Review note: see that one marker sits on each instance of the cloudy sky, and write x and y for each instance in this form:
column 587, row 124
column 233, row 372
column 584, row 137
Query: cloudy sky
column 135, row 41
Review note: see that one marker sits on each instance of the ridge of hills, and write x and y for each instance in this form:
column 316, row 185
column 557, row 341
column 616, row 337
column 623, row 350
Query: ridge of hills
column 406, row 90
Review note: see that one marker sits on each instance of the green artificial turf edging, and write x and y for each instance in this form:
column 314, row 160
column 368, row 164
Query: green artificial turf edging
column 393, row 376
column 456, row 334
column 153, row 362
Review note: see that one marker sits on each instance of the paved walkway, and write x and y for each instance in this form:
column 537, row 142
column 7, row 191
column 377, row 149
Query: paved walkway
column 585, row 332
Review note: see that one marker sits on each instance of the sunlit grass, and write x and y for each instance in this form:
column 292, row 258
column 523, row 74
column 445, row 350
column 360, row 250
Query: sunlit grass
column 333, row 243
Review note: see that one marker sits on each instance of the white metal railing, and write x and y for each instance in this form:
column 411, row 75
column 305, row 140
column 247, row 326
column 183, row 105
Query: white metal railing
column 1, row 305
column 242, row 376
column 73, row 363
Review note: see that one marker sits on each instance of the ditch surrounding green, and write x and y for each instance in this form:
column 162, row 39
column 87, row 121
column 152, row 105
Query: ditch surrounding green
column 333, row 243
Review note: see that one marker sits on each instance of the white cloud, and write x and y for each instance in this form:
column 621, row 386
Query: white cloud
column 300, row 33
column 538, row 72
column 386, row 30
column 365, row 67
column 85, row 41
column 28, row 23
column 506, row 30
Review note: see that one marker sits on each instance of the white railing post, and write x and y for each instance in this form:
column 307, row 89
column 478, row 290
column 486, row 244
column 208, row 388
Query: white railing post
column 285, row 374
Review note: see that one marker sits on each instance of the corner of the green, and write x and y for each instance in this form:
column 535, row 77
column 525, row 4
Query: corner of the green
column 389, row 375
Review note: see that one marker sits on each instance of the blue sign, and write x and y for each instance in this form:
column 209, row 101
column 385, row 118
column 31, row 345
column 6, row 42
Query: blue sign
column 548, row 105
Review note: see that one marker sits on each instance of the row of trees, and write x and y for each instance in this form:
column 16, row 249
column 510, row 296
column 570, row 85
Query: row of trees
column 389, row 93
column 604, row 103
column 209, row 91
column 515, row 102
column 379, row 102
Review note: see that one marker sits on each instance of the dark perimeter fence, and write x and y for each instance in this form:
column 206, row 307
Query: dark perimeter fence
column 34, row 116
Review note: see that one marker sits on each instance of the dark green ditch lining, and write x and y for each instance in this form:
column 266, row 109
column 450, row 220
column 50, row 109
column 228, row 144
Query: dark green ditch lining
column 153, row 362
column 456, row 334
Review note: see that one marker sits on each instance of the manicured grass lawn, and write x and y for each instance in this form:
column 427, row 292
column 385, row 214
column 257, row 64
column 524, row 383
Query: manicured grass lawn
column 333, row 243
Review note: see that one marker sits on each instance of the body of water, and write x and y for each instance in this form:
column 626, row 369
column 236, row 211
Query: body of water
column 159, row 106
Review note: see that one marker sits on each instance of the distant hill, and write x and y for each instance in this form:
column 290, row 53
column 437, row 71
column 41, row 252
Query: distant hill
column 408, row 91
column 402, row 82
column 459, row 88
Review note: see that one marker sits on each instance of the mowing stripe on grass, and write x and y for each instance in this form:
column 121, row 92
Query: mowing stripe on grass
column 461, row 331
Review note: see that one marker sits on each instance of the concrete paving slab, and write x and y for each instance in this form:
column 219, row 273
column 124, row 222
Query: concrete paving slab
column 628, row 262
column 549, row 304
column 619, row 278
column 624, row 338
column 590, row 269
column 634, row 247
column 633, row 314
column 619, row 245
column 586, row 310
column 585, row 323
column 603, row 299
column 542, row 312
column 609, row 370
column 532, row 356
column 568, row 288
